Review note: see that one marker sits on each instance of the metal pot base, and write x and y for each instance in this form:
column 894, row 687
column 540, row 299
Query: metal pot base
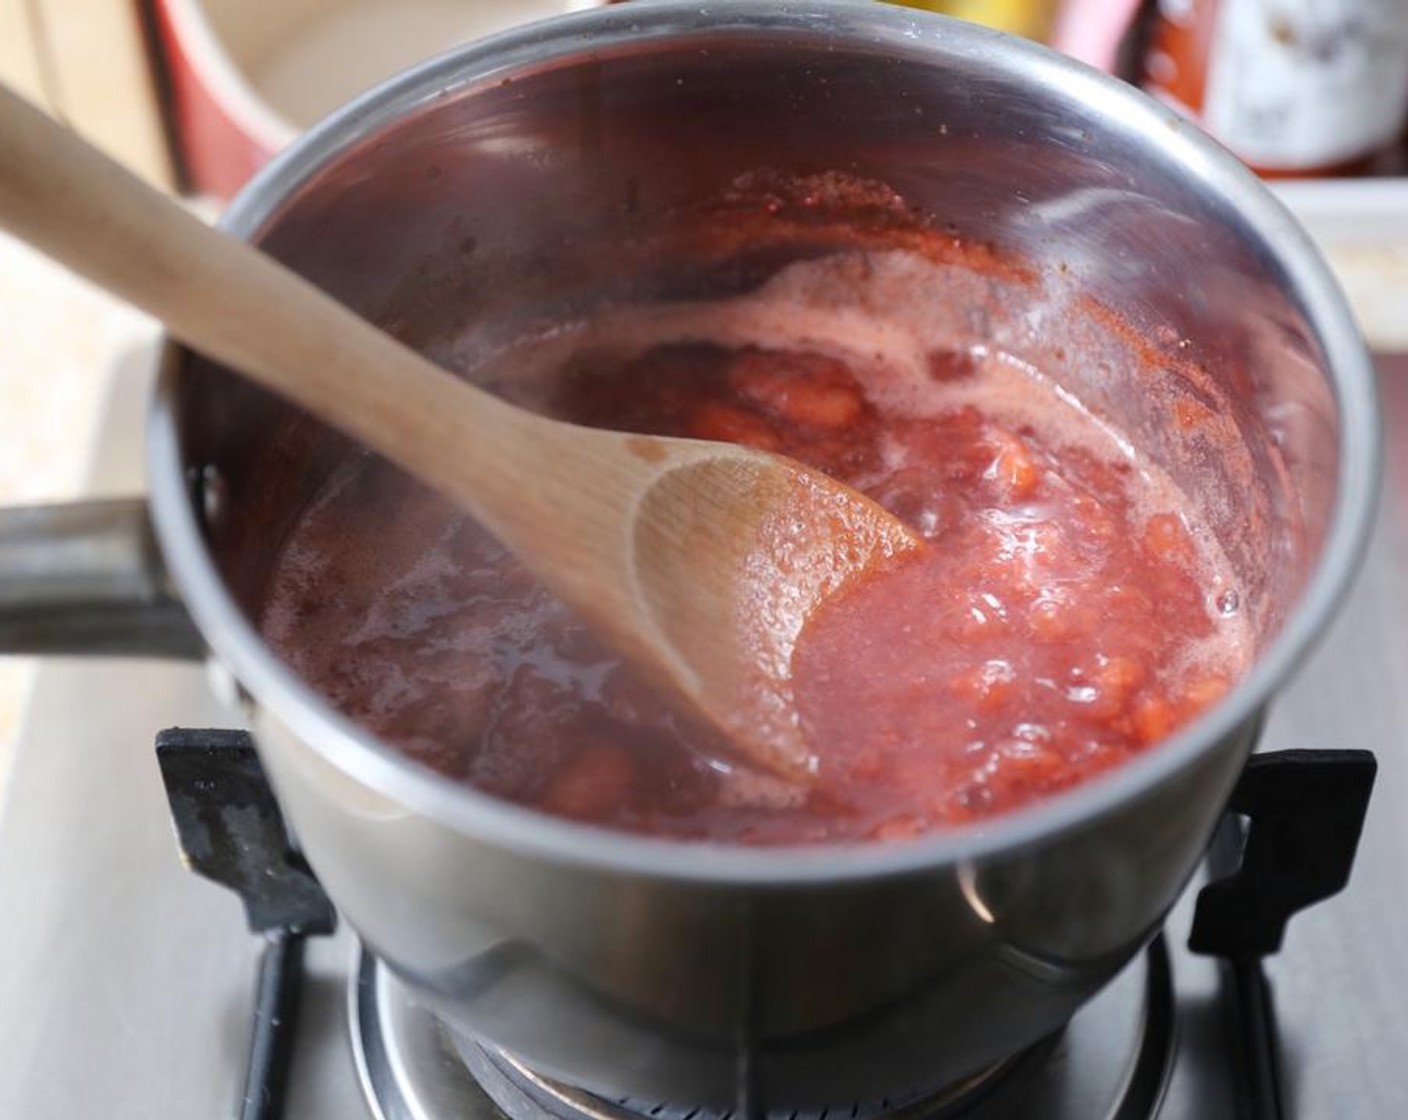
column 1113, row 1060
column 521, row 1093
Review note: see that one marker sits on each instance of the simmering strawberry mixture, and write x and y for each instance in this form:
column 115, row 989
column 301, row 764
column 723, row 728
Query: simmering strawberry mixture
column 1070, row 611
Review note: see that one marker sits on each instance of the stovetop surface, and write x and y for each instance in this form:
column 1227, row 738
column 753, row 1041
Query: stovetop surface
column 126, row 981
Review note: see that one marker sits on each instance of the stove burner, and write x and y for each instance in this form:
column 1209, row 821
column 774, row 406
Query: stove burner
column 1113, row 1060
column 518, row 1090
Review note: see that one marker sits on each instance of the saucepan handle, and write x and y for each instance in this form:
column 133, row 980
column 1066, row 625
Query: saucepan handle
column 87, row 578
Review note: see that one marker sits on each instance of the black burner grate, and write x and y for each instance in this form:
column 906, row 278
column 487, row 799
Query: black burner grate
column 1287, row 841
column 230, row 830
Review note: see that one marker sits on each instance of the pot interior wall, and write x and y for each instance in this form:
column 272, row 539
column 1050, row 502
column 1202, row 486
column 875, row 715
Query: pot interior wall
column 515, row 201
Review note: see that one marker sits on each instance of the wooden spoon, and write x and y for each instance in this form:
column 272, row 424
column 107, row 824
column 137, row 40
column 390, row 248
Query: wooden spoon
column 699, row 562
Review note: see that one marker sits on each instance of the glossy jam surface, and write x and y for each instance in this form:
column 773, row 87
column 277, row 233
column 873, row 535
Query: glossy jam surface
column 1070, row 610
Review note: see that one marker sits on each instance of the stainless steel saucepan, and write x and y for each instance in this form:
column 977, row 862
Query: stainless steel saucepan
column 519, row 179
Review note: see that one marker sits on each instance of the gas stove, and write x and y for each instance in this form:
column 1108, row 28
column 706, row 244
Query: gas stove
column 128, row 984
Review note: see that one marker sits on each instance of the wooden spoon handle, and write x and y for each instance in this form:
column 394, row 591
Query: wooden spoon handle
column 240, row 307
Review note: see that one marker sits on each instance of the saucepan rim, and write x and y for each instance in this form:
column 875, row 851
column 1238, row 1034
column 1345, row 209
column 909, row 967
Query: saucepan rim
column 873, row 27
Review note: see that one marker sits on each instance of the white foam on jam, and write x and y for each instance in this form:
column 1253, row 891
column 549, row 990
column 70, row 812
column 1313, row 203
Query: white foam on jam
column 883, row 314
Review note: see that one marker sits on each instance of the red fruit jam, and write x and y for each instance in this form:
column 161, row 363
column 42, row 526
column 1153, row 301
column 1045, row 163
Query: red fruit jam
column 1070, row 611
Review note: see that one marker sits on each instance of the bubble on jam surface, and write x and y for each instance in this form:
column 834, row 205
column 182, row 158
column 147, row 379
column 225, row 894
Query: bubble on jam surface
column 1229, row 603
column 910, row 495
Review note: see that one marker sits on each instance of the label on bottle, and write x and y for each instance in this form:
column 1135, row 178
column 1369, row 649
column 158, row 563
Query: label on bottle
column 1032, row 18
column 1298, row 84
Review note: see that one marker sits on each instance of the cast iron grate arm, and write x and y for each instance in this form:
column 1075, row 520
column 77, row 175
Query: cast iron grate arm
column 230, row 830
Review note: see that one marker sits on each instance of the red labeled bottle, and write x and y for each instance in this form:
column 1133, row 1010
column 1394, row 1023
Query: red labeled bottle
column 1294, row 87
